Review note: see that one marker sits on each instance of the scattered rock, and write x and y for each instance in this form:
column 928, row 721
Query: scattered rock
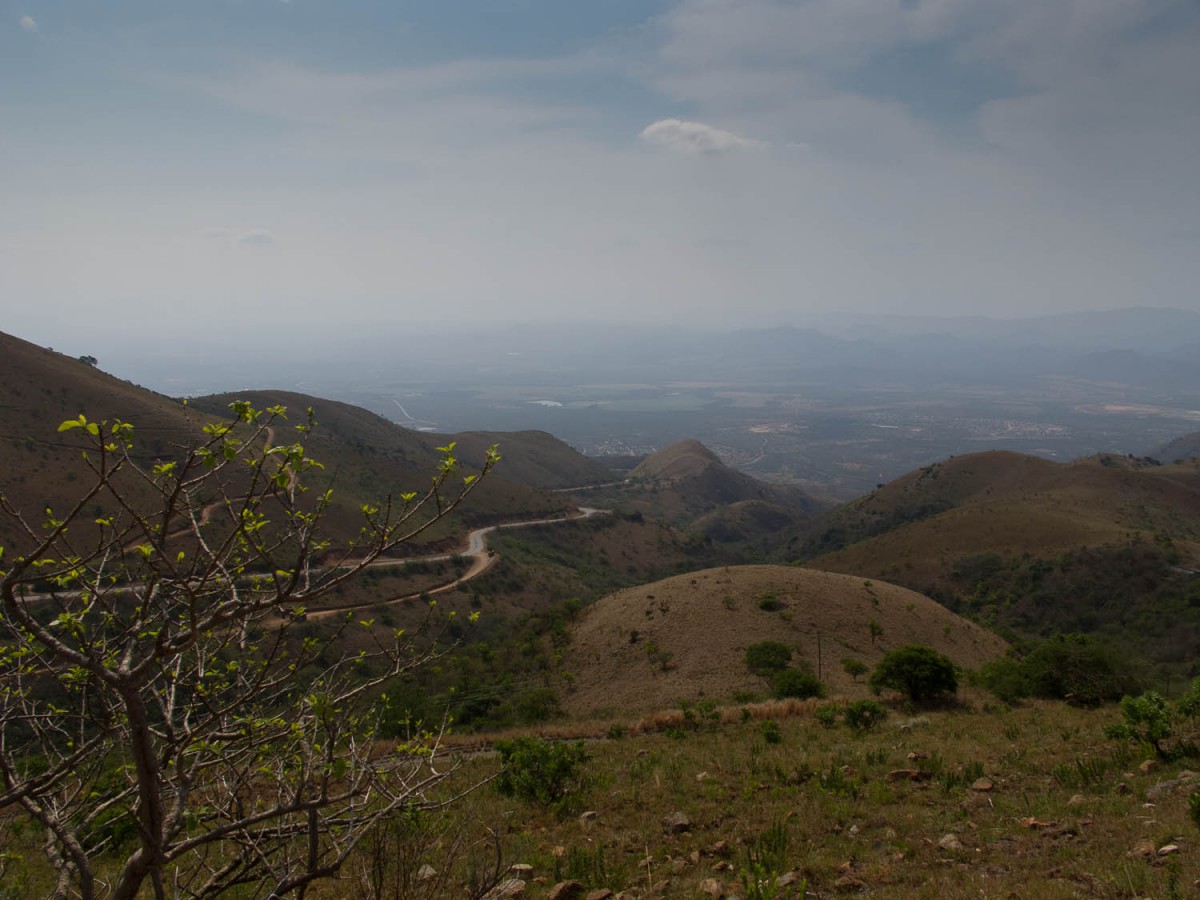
column 916, row 755
column 853, row 831
column 677, row 866
column 1077, row 800
column 889, row 834
column 521, row 870
column 676, row 823
column 694, row 857
column 903, row 775
column 950, row 842
column 710, row 887
column 787, row 879
column 567, row 890
column 1143, row 850
column 703, row 776
column 599, row 894
column 1168, row 849
column 588, row 816
column 509, row 887
column 642, row 754
column 976, row 801
column 720, row 848
column 722, row 866
column 849, row 771
column 1163, row 788
column 559, row 852
column 1031, row 822
column 658, row 889
column 982, row 784
column 1148, row 766
column 1122, row 788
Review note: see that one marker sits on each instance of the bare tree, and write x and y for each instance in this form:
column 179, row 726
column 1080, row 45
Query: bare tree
column 166, row 715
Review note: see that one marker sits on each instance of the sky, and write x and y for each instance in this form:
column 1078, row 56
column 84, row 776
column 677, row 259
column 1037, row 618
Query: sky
column 247, row 164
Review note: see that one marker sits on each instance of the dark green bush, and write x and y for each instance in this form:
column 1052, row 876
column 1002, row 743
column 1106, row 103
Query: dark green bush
column 768, row 657
column 770, row 732
column 1076, row 667
column 920, row 673
column 539, row 771
column 864, row 715
column 798, row 683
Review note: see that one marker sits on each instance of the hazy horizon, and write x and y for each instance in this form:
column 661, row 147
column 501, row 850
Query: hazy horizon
column 719, row 163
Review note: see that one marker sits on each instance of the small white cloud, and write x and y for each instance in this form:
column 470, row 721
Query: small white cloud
column 696, row 137
column 256, row 237
column 29, row 24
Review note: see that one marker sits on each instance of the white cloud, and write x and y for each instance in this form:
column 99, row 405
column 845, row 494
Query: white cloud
column 29, row 24
column 256, row 237
column 695, row 137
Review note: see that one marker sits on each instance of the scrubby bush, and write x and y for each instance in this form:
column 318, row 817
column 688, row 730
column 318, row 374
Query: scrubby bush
column 826, row 714
column 770, row 732
column 540, row 771
column 920, row 673
column 1147, row 719
column 864, row 715
column 855, row 668
column 1075, row 667
column 798, row 683
column 768, row 657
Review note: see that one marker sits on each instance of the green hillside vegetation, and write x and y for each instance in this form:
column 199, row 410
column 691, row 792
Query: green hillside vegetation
column 1105, row 545
column 368, row 456
column 731, row 516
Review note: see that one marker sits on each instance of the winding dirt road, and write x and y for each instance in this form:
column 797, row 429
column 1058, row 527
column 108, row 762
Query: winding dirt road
column 476, row 549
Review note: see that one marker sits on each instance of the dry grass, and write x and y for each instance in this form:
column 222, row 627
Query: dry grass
column 704, row 621
column 1065, row 817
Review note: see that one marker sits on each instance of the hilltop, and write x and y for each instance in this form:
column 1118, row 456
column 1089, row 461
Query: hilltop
column 684, row 638
column 1106, row 545
column 1185, row 447
column 365, row 456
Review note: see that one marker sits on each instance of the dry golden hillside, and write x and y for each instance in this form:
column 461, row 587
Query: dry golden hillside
column 703, row 622
column 916, row 528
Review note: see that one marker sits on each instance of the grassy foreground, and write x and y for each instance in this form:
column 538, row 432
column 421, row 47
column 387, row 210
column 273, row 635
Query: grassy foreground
column 900, row 811
column 897, row 812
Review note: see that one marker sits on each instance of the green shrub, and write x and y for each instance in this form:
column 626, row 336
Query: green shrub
column 770, row 732
column 855, row 668
column 864, row 715
column 1076, row 667
column 769, row 603
column 768, row 657
column 1006, row 678
column 920, row 673
column 1188, row 705
column 1147, row 719
column 826, row 714
column 798, row 683
column 539, row 771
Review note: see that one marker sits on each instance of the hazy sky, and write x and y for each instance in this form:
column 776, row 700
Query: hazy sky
column 718, row 162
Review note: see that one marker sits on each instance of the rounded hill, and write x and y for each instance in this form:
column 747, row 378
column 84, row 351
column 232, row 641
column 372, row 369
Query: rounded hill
column 685, row 638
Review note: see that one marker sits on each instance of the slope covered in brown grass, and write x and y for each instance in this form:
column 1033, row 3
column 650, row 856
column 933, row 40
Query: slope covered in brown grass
column 705, row 621
column 917, row 527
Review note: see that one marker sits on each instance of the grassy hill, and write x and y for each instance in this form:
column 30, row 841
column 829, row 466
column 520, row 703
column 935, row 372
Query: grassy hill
column 1181, row 448
column 1105, row 545
column 533, row 458
column 39, row 389
column 918, row 525
column 366, row 457
column 684, row 638
column 686, row 485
